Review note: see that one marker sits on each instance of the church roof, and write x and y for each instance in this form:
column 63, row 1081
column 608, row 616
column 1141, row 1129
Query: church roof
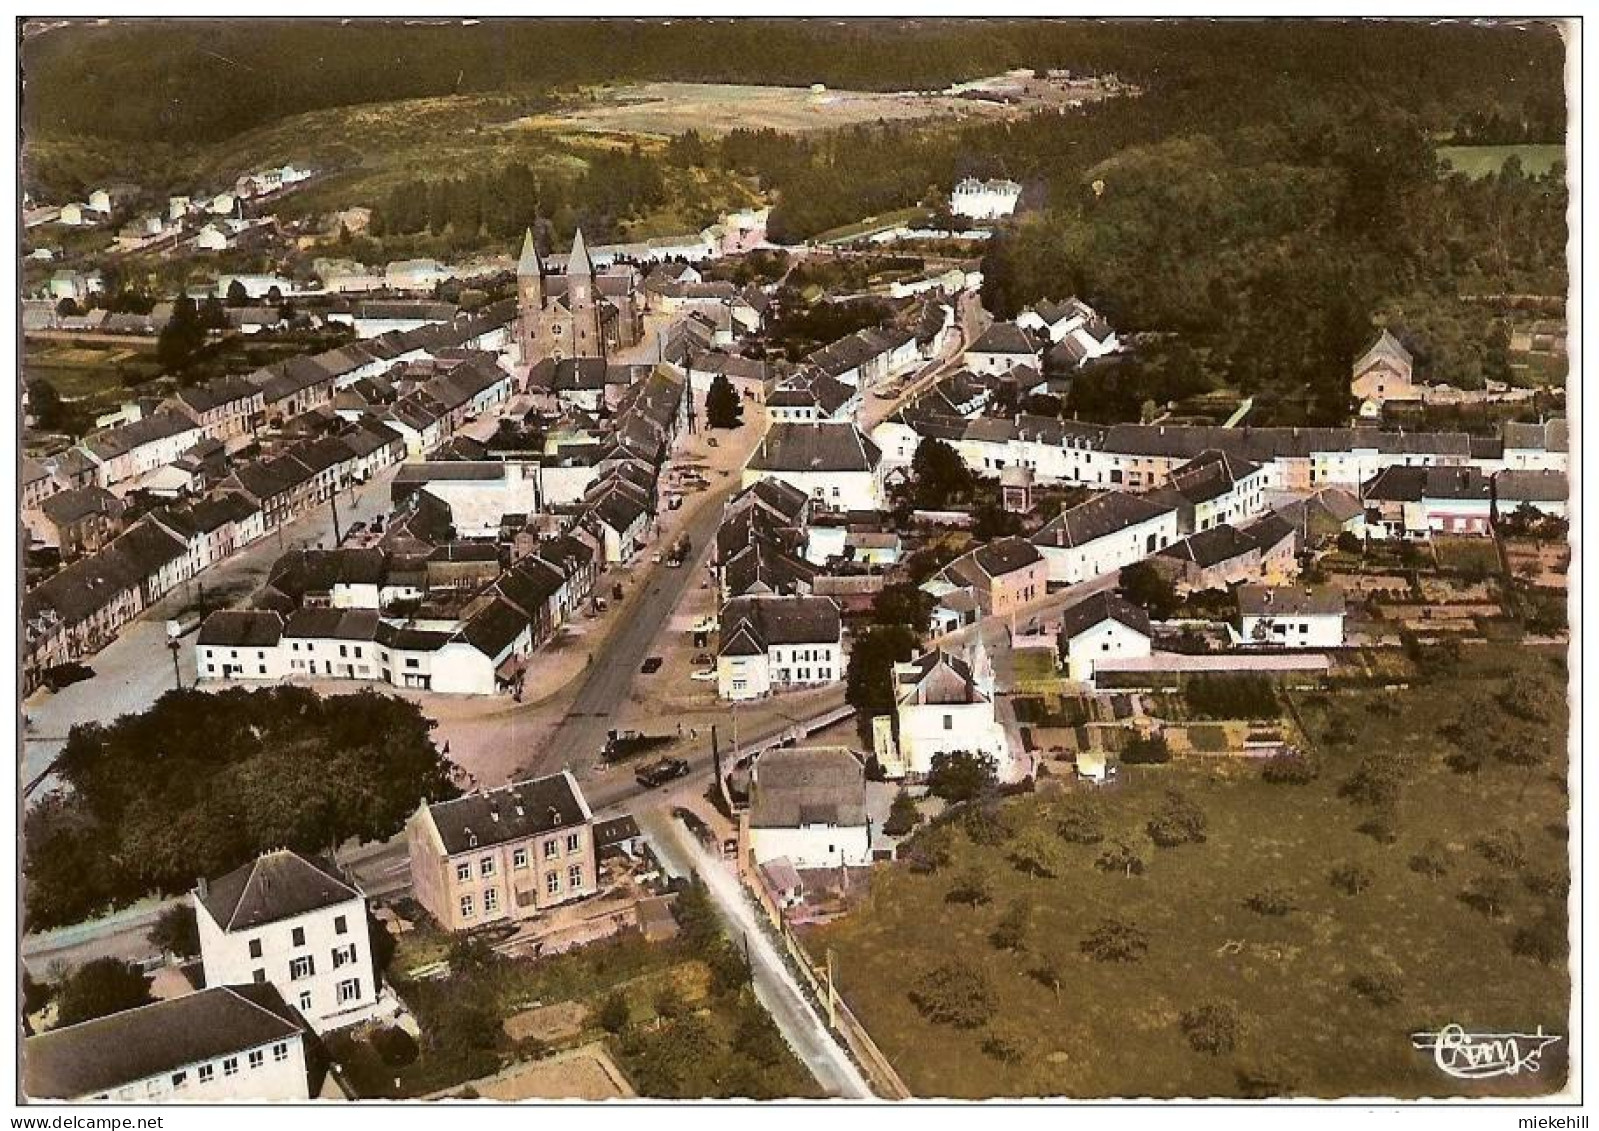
column 529, row 263
column 579, row 263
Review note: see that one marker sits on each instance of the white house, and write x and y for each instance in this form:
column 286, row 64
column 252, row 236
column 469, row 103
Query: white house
column 774, row 643
column 1002, row 347
column 943, row 704
column 833, row 462
column 295, row 926
column 984, row 200
column 808, row 806
column 1297, row 616
column 1543, row 491
column 222, row 1043
column 1104, row 534
column 1102, row 627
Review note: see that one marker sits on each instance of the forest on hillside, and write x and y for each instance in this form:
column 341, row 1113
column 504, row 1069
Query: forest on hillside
column 1270, row 195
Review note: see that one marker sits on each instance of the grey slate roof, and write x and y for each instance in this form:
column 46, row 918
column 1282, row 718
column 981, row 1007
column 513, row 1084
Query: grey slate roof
column 1099, row 516
column 512, row 812
column 241, row 628
column 820, row 446
column 797, row 786
column 781, row 620
column 1099, row 608
column 1290, row 600
column 100, row 1056
column 279, row 885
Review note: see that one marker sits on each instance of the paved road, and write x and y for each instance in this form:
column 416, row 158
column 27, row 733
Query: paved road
column 775, row 986
column 122, row 934
column 582, row 732
column 135, row 669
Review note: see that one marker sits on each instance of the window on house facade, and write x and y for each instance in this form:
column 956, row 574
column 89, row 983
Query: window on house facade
column 519, row 859
column 258, row 975
column 230, row 1066
column 305, row 1001
column 491, row 900
column 343, row 956
column 302, row 967
column 298, row 936
column 463, row 870
column 574, row 876
column 552, row 882
column 255, row 948
column 257, row 1058
column 466, row 907
column 341, row 925
column 552, row 848
column 572, row 840
column 485, row 866
column 205, row 1073
column 349, row 991
column 280, row 1051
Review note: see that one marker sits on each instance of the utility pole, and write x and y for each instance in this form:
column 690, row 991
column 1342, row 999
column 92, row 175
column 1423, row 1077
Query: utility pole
column 173, row 645
column 333, row 500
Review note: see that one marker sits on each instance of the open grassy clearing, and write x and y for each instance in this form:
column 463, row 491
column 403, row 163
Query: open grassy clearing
column 1115, row 1028
column 1484, row 160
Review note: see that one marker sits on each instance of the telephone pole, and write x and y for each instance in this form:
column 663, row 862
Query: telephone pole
column 333, row 500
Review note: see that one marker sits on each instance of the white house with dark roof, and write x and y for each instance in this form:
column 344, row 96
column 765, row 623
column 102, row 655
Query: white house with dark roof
column 942, row 704
column 296, row 926
column 833, row 462
column 808, row 807
column 503, row 854
column 1104, row 534
column 984, row 200
column 772, row 644
column 1002, row 347
column 222, row 1043
column 1105, row 626
column 1291, row 616
column 1544, row 491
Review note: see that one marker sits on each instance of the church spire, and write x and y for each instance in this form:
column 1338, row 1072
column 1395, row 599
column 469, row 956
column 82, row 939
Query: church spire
column 579, row 263
column 529, row 263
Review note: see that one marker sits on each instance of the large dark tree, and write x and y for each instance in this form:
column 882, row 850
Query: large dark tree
column 100, row 987
column 722, row 407
column 938, row 475
column 201, row 783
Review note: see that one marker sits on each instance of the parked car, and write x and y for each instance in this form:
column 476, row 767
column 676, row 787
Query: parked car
column 659, row 773
column 651, row 665
column 704, row 675
column 64, row 675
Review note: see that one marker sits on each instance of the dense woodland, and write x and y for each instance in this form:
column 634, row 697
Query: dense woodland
column 1270, row 194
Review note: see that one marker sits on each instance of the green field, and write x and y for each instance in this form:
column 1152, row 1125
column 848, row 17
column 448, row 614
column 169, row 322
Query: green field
column 1114, row 1028
column 1483, row 160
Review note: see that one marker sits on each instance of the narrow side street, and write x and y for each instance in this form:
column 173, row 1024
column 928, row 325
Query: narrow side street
column 775, row 986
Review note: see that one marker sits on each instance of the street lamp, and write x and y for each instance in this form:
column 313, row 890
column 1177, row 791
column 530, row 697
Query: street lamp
column 174, row 642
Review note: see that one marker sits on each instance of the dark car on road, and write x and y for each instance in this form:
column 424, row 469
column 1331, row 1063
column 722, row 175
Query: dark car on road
column 659, row 773
column 64, row 675
column 651, row 665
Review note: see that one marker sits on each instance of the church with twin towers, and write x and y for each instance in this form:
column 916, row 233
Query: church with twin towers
column 578, row 313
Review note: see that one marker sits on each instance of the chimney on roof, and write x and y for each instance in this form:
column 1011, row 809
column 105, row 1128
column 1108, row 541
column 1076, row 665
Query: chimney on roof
column 555, row 815
column 202, row 887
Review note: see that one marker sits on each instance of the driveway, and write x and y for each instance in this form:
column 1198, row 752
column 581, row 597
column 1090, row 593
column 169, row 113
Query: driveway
column 775, row 986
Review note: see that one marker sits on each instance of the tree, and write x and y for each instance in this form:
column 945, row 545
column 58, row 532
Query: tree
column 1211, row 1029
column 614, row 1013
column 722, row 406
column 903, row 816
column 1349, row 878
column 1488, row 893
column 395, row 1047
column 971, row 888
column 181, row 337
column 1010, row 932
column 1271, row 900
column 1145, row 585
column 961, row 775
column 1432, row 860
column 1293, row 768
column 929, row 850
column 1177, row 821
column 237, row 295
column 1376, row 781
column 1545, row 940
column 1504, row 847
column 955, row 993
column 1081, row 821
column 100, row 987
column 1007, row 1044
column 986, row 823
column 869, row 676
column 1147, row 750
column 757, row 1037
column 903, row 604
column 939, row 475
column 1120, row 857
column 1350, row 543
column 1381, row 988
column 1047, row 971
column 472, row 955
column 1037, row 853
column 67, row 307
column 176, row 931
column 1115, row 940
